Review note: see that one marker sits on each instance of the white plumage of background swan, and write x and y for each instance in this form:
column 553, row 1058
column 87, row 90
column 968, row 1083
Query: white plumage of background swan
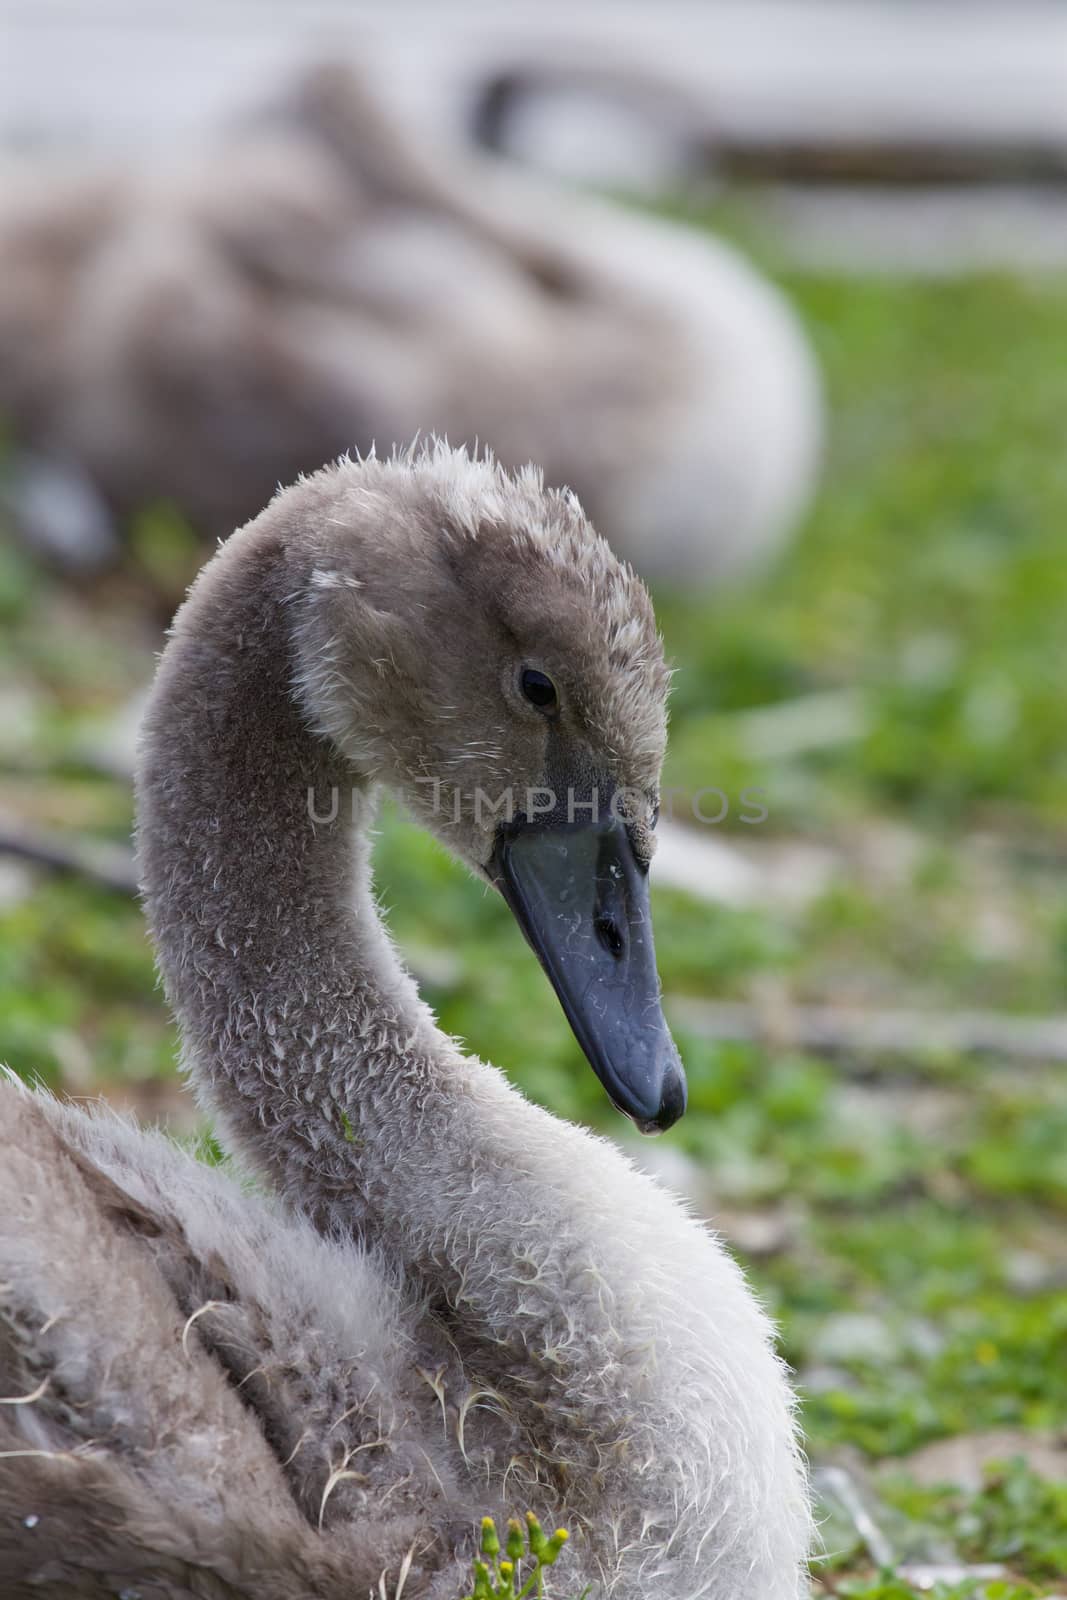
column 455, row 1303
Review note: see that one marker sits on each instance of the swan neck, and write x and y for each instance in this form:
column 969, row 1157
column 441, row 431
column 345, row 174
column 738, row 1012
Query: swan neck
column 298, row 1021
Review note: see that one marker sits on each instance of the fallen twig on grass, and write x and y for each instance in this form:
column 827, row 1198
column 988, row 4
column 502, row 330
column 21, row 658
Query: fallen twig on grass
column 110, row 866
column 836, row 1031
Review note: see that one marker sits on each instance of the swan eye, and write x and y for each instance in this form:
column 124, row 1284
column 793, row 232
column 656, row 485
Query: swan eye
column 538, row 689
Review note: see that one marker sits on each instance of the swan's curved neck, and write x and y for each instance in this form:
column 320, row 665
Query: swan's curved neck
column 300, row 1028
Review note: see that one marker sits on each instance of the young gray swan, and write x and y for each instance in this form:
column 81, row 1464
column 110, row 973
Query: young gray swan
column 460, row 1304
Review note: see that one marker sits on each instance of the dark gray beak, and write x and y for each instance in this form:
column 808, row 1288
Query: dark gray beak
column 581, row 898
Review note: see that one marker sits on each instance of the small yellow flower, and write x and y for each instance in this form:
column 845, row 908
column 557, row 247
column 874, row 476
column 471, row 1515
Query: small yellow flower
column 538, row 1542
column 554, row 1546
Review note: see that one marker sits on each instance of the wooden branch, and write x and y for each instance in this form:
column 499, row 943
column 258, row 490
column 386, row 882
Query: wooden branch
column 708, row 142
column 838, row 1031
column 110, row 866
column 913, row 162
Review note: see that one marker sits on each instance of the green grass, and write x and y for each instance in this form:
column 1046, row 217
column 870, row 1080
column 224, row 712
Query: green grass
column 932, row 575
column 1017, row 1517
column 892, row 1588
column 928, row 1201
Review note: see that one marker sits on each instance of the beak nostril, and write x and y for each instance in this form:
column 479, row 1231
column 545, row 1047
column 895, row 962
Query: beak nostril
column 610, row 935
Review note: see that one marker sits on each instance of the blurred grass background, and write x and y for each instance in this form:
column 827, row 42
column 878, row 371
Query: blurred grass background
column 905, row 1219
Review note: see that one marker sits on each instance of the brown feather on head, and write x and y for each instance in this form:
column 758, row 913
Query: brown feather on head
column 473, row 576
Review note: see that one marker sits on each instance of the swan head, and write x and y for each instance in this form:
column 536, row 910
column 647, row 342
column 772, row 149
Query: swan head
column 472, row 643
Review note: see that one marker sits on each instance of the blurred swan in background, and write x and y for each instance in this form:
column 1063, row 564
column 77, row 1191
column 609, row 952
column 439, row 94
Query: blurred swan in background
column 319, row 281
